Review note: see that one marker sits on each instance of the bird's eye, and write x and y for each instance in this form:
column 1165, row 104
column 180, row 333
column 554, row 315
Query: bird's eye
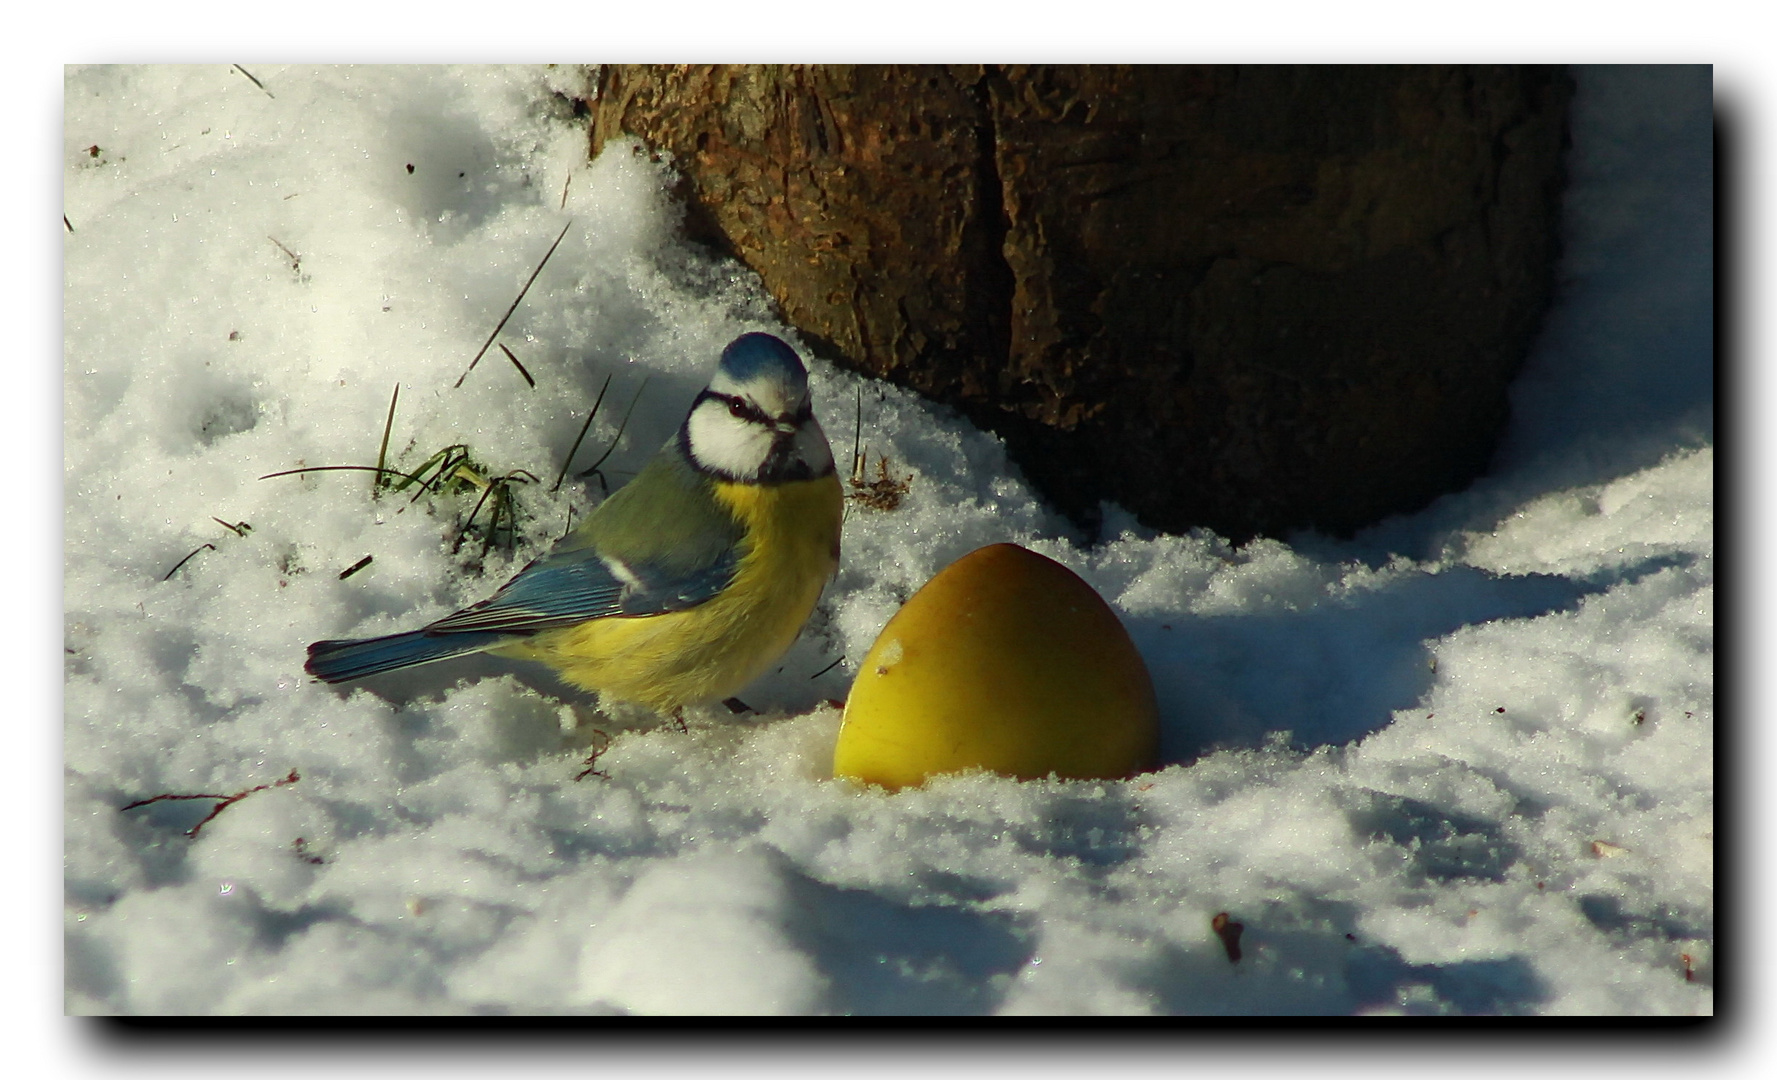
column 737, row 407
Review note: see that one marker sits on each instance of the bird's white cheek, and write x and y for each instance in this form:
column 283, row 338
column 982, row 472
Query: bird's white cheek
column 726, row 444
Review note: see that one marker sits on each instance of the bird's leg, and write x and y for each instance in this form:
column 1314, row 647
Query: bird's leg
column 679, row 719
column 592, row 768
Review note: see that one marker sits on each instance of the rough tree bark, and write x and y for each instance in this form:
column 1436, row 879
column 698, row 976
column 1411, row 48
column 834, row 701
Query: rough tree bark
column 1248, row 298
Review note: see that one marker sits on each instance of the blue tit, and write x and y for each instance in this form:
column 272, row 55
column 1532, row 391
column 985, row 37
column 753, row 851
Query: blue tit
column 690, row 580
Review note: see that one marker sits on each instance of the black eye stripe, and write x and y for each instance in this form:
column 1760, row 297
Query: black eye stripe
column 742, row 409
column 738, row 407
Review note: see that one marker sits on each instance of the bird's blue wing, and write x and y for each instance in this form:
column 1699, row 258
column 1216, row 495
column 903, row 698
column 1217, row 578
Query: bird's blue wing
column 659, row 589
column 571, row 587
column 660, row 543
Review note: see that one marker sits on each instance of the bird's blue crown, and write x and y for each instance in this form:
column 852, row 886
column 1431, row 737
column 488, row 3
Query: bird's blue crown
column 753, row 357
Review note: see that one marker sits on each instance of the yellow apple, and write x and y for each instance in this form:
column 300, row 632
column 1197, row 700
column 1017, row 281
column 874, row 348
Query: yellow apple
column 1004, row 661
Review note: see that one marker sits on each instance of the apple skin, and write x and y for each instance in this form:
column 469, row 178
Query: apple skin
column 1005, row 661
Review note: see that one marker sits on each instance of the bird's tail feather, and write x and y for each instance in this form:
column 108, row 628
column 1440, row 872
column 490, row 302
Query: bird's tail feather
column 338, row 661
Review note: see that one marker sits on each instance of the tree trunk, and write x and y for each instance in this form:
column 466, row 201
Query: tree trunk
column 1247, row 298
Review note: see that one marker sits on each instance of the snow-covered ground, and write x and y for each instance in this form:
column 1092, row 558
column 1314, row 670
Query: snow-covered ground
column 1460, row 764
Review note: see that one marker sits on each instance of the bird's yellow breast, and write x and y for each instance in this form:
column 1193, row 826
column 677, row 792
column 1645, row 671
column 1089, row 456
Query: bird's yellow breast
column 790, row 550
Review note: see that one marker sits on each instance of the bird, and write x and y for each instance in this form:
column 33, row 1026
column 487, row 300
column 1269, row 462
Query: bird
column 685, row 584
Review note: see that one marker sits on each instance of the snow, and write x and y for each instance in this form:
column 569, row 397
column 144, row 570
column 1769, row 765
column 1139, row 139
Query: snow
column 1462, row 763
